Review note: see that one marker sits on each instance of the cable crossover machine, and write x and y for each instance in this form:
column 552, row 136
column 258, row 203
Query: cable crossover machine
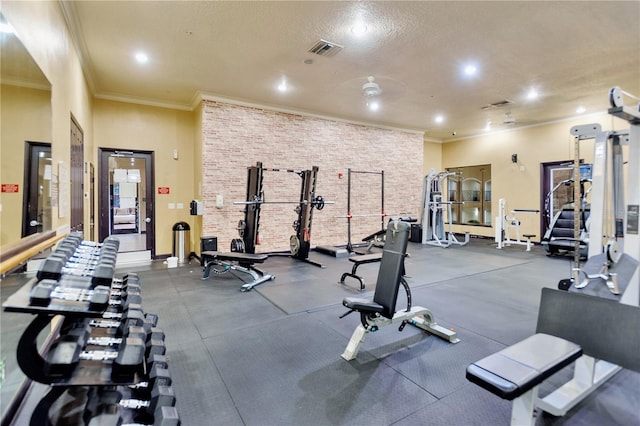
column 434, row 207
column 249, row 227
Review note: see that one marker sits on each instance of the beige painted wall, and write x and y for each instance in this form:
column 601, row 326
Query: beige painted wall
column 42, row 29
column 25, row 116
column 432, row 153
column 161, row 130
column 519, row 184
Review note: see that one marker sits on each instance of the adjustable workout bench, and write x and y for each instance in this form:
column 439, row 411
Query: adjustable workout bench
column 243, row 263
column 571, row 327
column 381, row 311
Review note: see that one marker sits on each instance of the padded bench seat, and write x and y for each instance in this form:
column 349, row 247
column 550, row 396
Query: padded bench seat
column 357, row 261
column 248, row 258
column 517, row 369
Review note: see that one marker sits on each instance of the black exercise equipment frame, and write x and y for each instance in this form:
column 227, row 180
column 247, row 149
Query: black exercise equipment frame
column 307, row 203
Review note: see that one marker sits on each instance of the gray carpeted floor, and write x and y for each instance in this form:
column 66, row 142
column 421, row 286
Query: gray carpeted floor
column 271, row 356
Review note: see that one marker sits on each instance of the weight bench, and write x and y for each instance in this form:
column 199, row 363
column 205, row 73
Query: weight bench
column 571, row 327
column 357, row 261
column 381, row 310
column 239, row 262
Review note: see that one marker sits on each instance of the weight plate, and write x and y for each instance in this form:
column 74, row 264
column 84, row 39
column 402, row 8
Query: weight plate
column 294, row 243
column 242, row 225
column 613, row 252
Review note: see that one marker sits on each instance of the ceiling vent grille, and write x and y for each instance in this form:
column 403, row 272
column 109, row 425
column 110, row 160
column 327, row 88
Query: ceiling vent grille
column 498, row 104
column 325, row 48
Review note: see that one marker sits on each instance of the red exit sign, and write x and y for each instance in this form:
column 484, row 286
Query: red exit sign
column 10, row 187
column 164, row 190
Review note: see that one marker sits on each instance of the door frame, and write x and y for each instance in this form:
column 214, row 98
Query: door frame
column 103, row 193
column 31, row 182
column 545, row 178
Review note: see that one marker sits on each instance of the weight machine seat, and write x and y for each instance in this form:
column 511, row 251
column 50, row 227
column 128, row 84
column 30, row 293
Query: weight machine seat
column 389, row 275
column 374, row 235
column 518, row 368
column 365, row 258
column 245, row 258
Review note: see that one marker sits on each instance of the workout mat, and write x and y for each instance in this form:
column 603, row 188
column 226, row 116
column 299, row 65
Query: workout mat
column 201, row 395
column 214, row 312
column 289, row 372
column 303, row 287
column 467, row 406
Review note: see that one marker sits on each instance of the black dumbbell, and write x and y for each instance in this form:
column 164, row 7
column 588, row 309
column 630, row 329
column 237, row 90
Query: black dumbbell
column 132, row 316
column 66, row 353
column 47, row 290
column 162, row 416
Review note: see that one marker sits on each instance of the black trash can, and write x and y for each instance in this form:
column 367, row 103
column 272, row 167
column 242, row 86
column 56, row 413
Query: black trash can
column 181, row 241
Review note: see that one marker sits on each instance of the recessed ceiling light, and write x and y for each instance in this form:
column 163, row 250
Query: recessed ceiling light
column 359, row 28
column 373, row 105
column 532, row 94
column 142, row 58
column 470, row 70
column 282, row 87
column 439, row 119
column 580, row 110
column 488, row 126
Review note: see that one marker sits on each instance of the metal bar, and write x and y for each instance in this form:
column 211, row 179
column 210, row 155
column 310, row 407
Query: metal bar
column 305, row 202
column 382, row 203
column 349, row 245
column 367, row 172
column 282, row 170
column 349, row 216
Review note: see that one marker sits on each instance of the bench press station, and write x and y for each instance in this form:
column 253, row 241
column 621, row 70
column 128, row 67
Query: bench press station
column 239, row 262
column 381, row 310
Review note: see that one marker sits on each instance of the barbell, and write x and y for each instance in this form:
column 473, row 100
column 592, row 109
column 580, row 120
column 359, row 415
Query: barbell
column 349, row 216
column 318, row 202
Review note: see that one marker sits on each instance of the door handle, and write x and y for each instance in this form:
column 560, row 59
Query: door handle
column 34, row 223
column 148, row 220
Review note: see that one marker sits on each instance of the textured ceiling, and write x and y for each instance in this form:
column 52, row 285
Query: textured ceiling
column 571, row 52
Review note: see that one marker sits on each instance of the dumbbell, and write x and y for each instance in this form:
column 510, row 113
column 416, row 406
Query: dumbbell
column 132, row 316
column 153, row 338
column 79, row 289
column 54, row 267
column 159, row 409
column 127, row 279
column 47, row 290
column 67, row 352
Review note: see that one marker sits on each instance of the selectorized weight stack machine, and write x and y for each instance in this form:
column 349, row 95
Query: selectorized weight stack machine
column 434, row 208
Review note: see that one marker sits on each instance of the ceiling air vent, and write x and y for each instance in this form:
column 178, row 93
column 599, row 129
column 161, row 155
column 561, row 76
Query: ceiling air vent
column 498, row 104
column 325, row 48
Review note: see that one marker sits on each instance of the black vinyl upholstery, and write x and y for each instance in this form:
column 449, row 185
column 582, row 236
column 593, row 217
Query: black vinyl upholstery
column 389, row 275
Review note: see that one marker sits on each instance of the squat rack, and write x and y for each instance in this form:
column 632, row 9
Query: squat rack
column 300, row 243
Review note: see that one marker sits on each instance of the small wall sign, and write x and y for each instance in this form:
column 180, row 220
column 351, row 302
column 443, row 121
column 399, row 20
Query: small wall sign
column 164, row 190
column 10, row 187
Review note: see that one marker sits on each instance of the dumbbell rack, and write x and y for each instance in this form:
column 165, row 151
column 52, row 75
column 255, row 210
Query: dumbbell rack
column 94, row 316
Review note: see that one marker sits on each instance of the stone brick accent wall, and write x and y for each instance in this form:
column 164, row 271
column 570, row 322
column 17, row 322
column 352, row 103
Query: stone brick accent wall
column 236, row 137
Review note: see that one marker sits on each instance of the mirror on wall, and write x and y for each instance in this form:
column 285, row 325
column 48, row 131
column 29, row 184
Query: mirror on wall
column 27, row 175
column 471, row 186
